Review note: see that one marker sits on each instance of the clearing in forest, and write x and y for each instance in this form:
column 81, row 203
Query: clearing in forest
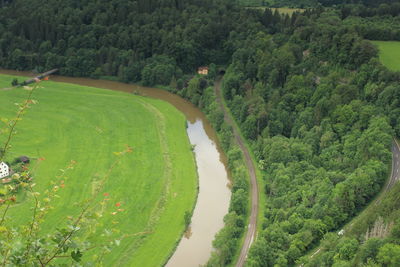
column 282, row 10
column 152, row 187
column 263, row 4
column 389, row 54
column 287, row 10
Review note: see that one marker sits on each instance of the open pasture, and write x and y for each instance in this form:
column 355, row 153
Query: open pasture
column 389, row 54
column 154, row 185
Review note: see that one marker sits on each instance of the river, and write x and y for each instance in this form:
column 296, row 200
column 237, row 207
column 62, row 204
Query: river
column 214, row 195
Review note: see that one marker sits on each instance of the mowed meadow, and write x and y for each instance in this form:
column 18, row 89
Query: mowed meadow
column 389, row 54
column 152, row 187
column 282, row 10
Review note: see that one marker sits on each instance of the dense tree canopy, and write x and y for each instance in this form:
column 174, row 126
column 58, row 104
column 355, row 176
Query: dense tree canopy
column 311, row 3
column 127, row 39
column 308, row 98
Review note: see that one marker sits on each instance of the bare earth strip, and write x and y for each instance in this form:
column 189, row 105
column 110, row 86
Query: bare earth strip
column 251, row 231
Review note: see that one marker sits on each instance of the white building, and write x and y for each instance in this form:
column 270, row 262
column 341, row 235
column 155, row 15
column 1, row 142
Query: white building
column 4, row 170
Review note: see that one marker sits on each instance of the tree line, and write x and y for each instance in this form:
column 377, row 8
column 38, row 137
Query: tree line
column 312, row 3
column 153, row 41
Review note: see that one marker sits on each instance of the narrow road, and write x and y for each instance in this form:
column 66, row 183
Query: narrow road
column 251, row 230
column 395, row 176
column 393, row 179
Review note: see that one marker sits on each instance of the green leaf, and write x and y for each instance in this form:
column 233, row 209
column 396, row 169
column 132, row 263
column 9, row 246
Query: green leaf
column 76, row 255
column 3, row 191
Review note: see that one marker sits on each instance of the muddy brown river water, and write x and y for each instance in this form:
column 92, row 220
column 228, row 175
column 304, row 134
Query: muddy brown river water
column 214, row 195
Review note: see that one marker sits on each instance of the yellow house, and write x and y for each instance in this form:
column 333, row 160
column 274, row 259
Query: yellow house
column 202, row 70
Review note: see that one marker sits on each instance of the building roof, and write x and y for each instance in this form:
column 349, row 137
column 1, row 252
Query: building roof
column 202, row 70
column 24, row 159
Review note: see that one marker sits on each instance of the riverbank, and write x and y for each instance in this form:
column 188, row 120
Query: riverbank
column 256, row 182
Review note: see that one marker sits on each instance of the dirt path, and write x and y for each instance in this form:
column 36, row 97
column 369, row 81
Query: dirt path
column 395, row 175
column 251, row 230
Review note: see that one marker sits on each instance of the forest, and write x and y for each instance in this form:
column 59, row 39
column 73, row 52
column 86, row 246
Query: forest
column 149, row 41
column 321, row 112
column 308, row 92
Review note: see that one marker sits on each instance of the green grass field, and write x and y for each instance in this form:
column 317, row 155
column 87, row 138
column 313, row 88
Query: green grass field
column 281, row 10
column 389, row 54
column 155, row 184
column 287, row 10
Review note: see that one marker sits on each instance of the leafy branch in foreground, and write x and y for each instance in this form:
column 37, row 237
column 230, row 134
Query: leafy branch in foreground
column 31, row 244
column 10, row 129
